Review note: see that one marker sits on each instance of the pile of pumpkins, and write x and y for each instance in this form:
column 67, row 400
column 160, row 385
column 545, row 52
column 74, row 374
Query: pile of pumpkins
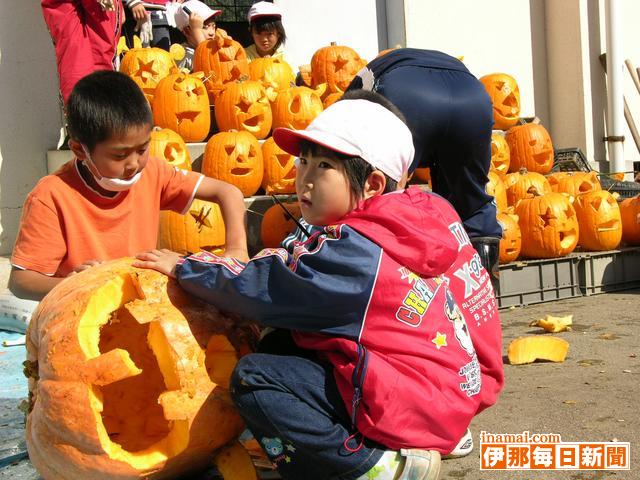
column 543, row 214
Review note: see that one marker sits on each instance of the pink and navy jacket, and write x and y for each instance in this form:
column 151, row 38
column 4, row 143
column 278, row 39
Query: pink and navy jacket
column 395, row 298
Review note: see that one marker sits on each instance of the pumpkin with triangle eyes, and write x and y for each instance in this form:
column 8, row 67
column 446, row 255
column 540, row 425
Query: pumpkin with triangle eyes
column 244, row 105
column 222, row 60
column 279, row 169
column 335, row 65
column 169, row 146
column 296, row 107
column 505, row 98
column 600, row 221
column 147, row 66
column 530, row 147
column 500, row 157
column 511, row 241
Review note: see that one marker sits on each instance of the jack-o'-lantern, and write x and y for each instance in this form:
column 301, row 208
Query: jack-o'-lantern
column 335, row 65
column 129, row 378
column 511, row 241
column 147, row 66
column 200, row 228
column 525, row 184
column 236, row 158
column 331, row 99
column 170, row 147
column 276, row 224
column 505, row 97
column 530, row 147
column 574, row 183
column 549, row 226
column 221, row 58
column 272, row 72
column 600, row 221
column 630, row 213
column 279, row 169
column 182, row 105
column 244, row 105
column 296, row 107
column 495, row 187
column 500, row 157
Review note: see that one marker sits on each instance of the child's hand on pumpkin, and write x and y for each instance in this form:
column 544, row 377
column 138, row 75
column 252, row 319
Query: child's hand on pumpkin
column 163, row 261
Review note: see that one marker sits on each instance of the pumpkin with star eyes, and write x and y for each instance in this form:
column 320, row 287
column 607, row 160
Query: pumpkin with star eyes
column 170, row 147
column 296, row 107
column 505, row 98
column 511, row 241
column 574, row 183
column 335, row 65
column 244, row 106
column 272, row 72
column 630, row 213
column 279, row 169
column 276, row 224
column 525, row 184
column 600, row 221
column 129, row 379
column 235, row 158
column 530, row 147
column 495, row 187
column 221, row 58
column 147, row 66
column 500, row 157
column 549, row 226
column 181, row 104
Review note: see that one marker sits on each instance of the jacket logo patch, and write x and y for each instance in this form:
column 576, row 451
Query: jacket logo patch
column 454, row 314
column 417, row 300
column 461, row 235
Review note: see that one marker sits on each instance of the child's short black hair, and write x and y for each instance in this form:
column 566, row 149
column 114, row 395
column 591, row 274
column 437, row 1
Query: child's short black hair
column 269, row 24
column 103, row 104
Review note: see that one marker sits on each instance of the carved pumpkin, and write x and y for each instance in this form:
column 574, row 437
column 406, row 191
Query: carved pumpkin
column 500, row 157
column 511, row 242
column 524, row 184
column 169, row 146
column 574, row 183
column 630, row 213
column 181, row 104
column 200, row 228
column 147, row 66
column 276, row 225
column 422, row 175
column 279, row 169
column 600, row 221
column 505, row 97
column 128, row 378
column 549, row 226
column 243, row 105
column 236, row 158
column 296, row 107
column 336, row 66
column 331, row 99
column 529, row 349
column 272, row 72
column 222, row 58
column 495, row 187
column 530, row 147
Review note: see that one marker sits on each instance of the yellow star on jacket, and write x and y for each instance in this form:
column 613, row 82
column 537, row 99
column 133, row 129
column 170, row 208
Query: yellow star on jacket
column 440, row 340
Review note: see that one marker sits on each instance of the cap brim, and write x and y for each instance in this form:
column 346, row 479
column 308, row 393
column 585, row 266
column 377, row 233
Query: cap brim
column 262, row 15
column 290, row 141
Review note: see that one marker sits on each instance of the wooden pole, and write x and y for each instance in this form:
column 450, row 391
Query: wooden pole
column 633, row 73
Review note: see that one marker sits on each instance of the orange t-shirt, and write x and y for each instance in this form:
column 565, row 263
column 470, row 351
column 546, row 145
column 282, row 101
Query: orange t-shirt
column 66, row 223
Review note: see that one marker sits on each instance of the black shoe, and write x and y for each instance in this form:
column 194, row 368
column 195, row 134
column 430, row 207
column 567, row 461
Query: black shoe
column 489, row 250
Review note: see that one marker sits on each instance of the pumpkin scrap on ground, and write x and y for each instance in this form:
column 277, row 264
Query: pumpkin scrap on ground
column 529, row 349
column 554, row 324
column 128, row 379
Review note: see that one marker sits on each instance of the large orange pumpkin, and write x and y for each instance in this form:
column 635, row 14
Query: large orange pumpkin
column 600, row 221
column 524, row 184
column 505, row 97
column 222, row 58
column 574, row 183
column 169, row 146
column 495, row 187
column 500, row 157
column 244, row 105
column 181, row 104
column 147, row 66
column 279, row 169
column 272, row 72
column 530, row 147
column 236, row 158
column 511, row 242
column 630, row 213
column 548, row 224
column 129, row 378
column 276, row 224
column 296, row 107
column 335, row 65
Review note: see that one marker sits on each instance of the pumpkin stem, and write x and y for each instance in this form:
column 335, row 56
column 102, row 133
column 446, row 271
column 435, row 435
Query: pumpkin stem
column 523, row 171
column 333, row 44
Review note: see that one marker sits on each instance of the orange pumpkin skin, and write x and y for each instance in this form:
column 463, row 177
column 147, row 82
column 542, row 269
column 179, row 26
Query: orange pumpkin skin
column 276, row 225
column 222, row 57
column 296, row 108
column 495, row 188
column 524, row 184
column 630, row 213
column 574, row 183
column 147, row 66
column 530, row 147
column 505, row 97
column 272, row 73
column 181, row 104
column 600, row 221
column 236, row 158
column 500, row 157
column 511, row 242
column 244, row 106
column 336, row 66
column 549, row 226
column 169, row 146
column 279, row 169
column 128, row 378
column 422, row 175
column 331, row 99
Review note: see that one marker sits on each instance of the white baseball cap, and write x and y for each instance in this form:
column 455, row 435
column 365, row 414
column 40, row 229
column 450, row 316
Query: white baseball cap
column 194, row 6
column 359, row 128
column 263, row 9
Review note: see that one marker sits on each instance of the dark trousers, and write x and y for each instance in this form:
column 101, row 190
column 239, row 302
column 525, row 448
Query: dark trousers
column 292, row 406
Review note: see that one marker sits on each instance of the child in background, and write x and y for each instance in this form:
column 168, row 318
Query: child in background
column 265, row 25
column 152, row 21
column 382, row 362
column 197, row 22
column 105, row 203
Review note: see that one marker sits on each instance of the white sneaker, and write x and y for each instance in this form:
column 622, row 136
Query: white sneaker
column 420, row 464
column 463, row 448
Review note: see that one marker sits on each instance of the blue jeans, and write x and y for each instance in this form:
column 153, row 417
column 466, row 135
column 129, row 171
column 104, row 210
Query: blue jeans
column 292, row 406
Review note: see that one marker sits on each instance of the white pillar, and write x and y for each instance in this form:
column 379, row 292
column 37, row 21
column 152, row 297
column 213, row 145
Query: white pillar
column 615, row 88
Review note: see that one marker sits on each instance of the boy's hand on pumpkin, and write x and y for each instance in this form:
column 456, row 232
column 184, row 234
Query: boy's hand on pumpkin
column 85, row 266
column 163, row 261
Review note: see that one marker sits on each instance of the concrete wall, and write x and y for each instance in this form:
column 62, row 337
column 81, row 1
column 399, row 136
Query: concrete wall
column 30, row 116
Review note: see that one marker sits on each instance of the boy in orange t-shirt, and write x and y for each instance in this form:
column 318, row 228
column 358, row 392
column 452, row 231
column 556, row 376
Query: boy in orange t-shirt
column 105, row 203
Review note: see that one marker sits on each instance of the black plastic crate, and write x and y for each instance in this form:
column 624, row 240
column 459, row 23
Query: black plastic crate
column 624, row 189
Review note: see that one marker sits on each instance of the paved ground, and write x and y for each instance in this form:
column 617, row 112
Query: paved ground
column 592, row 396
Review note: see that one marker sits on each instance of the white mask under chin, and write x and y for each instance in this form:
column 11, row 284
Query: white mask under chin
column 111, row 184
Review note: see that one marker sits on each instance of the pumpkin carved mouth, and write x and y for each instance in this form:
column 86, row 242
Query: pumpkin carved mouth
column 253, row 122
column 543, row 157
column 241, row 171
column 568, row 238
column 611, row 225
column 188, row 115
